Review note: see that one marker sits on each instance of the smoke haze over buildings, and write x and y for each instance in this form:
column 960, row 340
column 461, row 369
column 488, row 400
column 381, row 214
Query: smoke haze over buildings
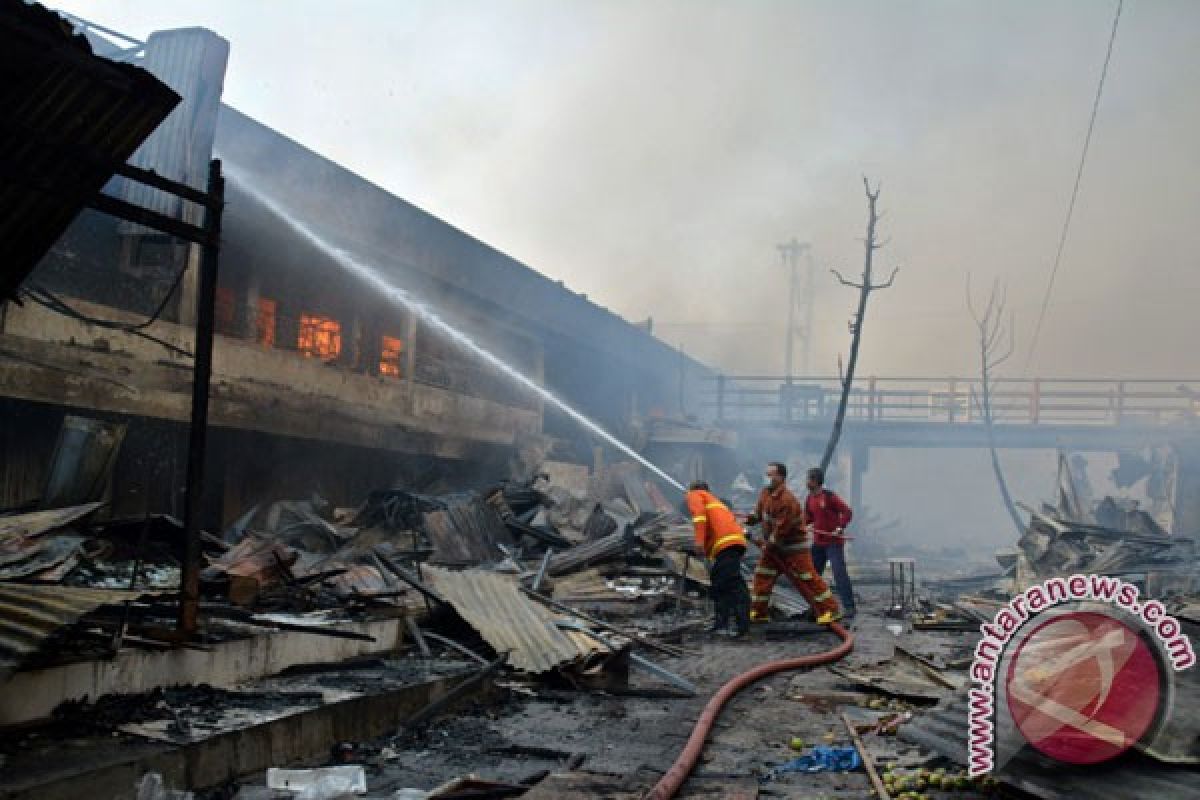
column 651, row 155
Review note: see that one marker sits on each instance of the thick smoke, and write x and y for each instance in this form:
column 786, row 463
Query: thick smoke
column 652, row 154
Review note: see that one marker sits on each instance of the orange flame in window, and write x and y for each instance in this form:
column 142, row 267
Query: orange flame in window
column 319, row 337
column 390, row 349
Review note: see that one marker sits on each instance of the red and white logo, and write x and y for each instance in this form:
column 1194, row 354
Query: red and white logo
column 1084, row 687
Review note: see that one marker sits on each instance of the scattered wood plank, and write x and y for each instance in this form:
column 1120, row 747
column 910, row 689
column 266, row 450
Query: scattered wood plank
column 868, row 762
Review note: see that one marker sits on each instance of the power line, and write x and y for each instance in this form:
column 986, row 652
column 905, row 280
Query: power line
column 1087, row 141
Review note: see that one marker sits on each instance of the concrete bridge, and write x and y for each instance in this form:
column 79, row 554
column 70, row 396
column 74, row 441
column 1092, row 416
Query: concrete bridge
column 1077, row 414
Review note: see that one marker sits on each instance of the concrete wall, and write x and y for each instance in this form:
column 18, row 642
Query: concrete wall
column 35, row 694
column 49, row 358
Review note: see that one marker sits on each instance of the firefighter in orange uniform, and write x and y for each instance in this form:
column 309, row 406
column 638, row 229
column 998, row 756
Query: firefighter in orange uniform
column 787, row 547
column 720, row 540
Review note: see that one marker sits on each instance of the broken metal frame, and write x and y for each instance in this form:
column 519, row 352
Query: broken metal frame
column 678, row 681
column 207, row 235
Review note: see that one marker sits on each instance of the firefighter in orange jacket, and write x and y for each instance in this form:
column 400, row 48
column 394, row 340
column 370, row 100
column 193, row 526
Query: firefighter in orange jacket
column 786, row 548
column 720, row 540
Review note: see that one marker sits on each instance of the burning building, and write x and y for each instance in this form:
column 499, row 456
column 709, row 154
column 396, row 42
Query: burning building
column 320, row 383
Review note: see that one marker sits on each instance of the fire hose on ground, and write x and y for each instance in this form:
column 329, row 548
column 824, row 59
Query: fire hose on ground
column 674, row 777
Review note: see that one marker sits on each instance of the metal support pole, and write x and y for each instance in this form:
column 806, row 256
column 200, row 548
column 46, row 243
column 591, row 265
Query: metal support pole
column 201, row 380
column 541, row 573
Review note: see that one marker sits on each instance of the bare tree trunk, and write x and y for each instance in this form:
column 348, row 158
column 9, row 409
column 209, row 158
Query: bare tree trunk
column 1009, row 506
column 870, row 245
column 991, row 333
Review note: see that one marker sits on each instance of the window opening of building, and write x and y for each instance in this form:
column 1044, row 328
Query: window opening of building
column 391, row 348
column 319, row 337
column 264, row 321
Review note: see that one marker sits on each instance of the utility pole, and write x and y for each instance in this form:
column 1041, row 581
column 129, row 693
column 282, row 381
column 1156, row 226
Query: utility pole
column 789, row 253
column 806, row 324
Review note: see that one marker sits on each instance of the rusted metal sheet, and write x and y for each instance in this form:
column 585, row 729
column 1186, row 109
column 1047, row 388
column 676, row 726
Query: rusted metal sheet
column 257, row 557
column 48, row 559
column 942, row 730
column 584, row 555
column 71, row 119
column 510, row 622
column 31, row 614
column 465, row 534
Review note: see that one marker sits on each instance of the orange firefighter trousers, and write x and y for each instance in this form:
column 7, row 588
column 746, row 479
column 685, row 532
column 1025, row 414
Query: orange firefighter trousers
column 797, row 565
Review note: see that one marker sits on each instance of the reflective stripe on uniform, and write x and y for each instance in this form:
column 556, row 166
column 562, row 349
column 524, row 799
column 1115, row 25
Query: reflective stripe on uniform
column 717, row 545
column 760, row 598
column 805, row 576
column 714, row 505
column 823, row 596
column 700, row 518
column 766, row 571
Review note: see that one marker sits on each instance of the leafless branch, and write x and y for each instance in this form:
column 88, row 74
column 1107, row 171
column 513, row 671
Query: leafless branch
column 888, row 283
column 845, row 282
column 872, row 196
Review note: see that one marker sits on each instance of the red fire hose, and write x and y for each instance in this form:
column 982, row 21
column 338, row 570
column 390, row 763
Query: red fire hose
column 669, row 784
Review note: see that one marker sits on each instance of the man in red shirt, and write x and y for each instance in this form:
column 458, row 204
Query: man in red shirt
column 828, row 515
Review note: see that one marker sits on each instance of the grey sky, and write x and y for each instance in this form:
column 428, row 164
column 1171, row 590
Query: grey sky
column 651, row 154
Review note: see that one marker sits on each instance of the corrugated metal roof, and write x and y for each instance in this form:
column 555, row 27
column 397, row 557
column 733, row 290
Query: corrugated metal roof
column 1136, row 777
column 509, row 621
column 70, row 118
column 588, row 553
column 31, row 614
column 465, row 533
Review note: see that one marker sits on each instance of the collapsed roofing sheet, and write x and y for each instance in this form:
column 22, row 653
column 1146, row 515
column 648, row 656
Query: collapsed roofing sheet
column 35, row 544
column 29, row 615
column 510, row 622
column 38, row 522
column 465, row 534
column 588, row 553
column 944, row 730
column 70, row 119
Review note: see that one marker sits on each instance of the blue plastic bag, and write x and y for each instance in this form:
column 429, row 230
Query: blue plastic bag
column 819, row 759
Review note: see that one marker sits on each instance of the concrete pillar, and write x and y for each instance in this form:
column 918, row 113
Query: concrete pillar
column 1187, row 488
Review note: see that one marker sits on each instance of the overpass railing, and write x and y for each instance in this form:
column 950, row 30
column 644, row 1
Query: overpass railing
column 1048, row 401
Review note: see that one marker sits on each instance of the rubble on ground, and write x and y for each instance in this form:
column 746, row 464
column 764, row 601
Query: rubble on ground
column 558, row 598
